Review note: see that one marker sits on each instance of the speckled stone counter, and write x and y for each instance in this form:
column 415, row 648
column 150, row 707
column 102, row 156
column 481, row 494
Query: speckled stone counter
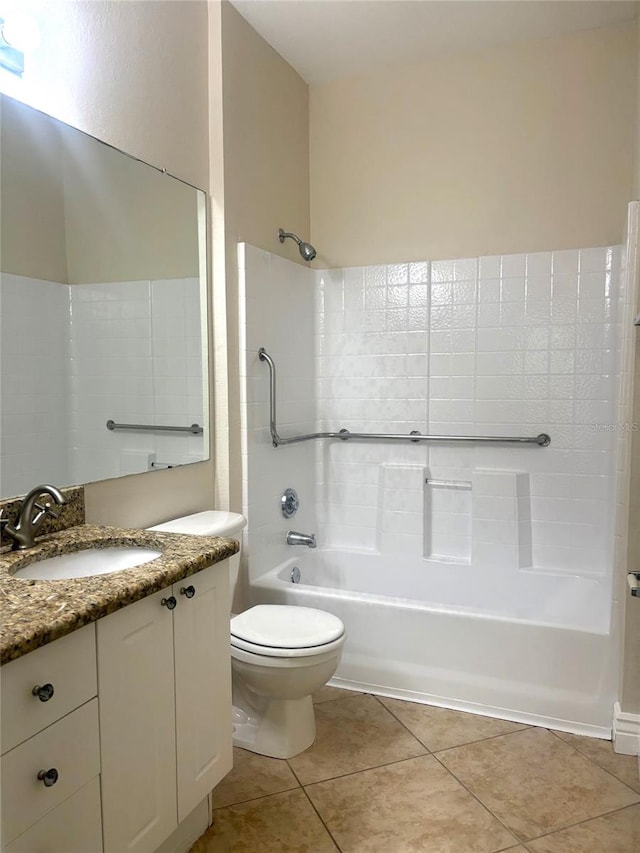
column 36, row 612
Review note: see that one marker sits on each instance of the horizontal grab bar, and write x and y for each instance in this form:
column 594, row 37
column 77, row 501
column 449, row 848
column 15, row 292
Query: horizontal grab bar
column 542, row 440
column 194, row 429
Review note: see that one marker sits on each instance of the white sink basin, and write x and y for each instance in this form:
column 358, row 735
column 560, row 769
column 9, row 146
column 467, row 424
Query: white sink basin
column 91, row 561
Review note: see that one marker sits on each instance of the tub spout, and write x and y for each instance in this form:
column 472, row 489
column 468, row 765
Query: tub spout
column 295, row 538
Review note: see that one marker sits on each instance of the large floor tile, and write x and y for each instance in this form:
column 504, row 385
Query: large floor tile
column 535, row 783
column 614, row 833
column 440, row 728
column 354, row 734
column 282, row 823
column 414, row 805
column 253, row 776
column 624, row 767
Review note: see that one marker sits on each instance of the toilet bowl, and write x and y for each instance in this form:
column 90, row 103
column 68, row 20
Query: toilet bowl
column 280, row 655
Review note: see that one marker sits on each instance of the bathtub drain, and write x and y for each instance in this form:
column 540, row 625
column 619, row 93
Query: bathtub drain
column 295, row 575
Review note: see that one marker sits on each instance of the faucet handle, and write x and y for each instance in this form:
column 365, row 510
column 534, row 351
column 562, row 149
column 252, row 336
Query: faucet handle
column 46, row 510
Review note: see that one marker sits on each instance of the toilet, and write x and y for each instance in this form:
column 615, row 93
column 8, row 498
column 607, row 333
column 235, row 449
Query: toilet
column 280, row 655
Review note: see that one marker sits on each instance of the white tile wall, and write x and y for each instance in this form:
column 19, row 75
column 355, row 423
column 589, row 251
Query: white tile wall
column 134, row 360
column 34, row 343
column 506, row 345
column 509, row 345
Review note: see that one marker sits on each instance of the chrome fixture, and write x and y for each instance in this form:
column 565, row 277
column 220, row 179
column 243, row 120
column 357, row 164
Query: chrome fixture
column 307, row 252
column 24, row 529
column 289, row 503
column 295, row 538
column 295, row 575
column 195, row 429
column 542, row 440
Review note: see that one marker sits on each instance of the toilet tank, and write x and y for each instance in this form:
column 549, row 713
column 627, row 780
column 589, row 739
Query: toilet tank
column 212, row 522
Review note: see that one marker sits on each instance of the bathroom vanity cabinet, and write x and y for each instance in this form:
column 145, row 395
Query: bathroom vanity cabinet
column 137, row 730
column 165, row 718
column 51, row 748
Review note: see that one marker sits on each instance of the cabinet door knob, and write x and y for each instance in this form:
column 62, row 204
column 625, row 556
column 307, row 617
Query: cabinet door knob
column 44, row 692
column 48, row 777
column 169, row 603
column 188, row 591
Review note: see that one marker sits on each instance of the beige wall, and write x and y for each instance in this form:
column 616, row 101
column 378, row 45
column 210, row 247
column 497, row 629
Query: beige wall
column 266, row 177
column 125, row 221
column 524, row 147
column 635, row 184
column 32, row 235
column 77, row 211
column 135, row 75
column 630, row 701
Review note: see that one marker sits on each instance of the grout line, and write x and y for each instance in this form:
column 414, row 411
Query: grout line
column 306, row 793
column 295, row 775
column 525, row 726
column 580, row 822
column 482, row 739
column 484, row 806
column 253, row 799
column 595, row 761
column 364, row 770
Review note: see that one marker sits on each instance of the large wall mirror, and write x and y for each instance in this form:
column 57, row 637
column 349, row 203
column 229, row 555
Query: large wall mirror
column 102, row 310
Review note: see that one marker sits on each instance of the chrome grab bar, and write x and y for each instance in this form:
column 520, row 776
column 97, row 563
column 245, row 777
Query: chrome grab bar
column 194, row 429
column 542, row 440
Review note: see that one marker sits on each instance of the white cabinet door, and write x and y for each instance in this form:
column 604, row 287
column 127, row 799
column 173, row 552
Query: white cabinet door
column 137, row 725
column 203, row 684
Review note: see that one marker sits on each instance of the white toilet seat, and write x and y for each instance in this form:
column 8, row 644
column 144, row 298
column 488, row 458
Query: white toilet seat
column 286, row 631
column 276, row 652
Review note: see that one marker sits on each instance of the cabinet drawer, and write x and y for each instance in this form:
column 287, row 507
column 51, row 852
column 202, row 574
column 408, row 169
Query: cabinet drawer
column 74, row 826
column 71, row 746
column 67, row 664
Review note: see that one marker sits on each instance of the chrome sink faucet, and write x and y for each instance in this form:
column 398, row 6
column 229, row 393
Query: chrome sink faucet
column 31, row 515
column 295, row 538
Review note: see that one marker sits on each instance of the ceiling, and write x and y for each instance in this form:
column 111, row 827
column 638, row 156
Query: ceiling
column 328, row 39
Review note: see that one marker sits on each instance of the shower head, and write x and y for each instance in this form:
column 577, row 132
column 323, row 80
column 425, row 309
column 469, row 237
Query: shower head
column 307, row 252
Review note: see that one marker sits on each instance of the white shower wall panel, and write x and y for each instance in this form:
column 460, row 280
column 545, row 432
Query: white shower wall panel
column 277, row 313
column 506, row 345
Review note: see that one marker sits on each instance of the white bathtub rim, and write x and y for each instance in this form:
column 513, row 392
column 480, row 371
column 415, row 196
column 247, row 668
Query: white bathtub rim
column 307, row 589
column 495, row 712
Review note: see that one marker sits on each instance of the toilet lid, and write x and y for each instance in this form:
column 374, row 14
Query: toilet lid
column 285, row 626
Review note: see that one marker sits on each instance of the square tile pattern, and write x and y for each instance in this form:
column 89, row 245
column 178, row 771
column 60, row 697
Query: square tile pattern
column 389, row 776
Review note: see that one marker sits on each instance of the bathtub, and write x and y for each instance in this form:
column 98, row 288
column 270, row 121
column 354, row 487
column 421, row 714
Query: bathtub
column 534, row 647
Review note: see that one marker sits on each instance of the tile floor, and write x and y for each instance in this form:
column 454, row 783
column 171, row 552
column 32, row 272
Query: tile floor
column 386, row 776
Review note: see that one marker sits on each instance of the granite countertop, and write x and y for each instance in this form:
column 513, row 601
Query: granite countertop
column 35, row 612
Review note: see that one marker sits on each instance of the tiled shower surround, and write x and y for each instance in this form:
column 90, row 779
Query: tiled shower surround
column 509, row 345
column 127, row 351
column 512, row 345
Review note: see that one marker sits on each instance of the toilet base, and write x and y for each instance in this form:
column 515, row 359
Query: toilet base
column 281, row 728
